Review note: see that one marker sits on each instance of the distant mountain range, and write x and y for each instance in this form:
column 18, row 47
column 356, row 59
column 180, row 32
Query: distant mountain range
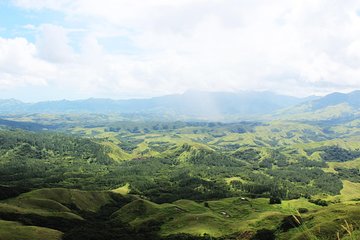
column 335, row 106
column 202, row 105
column 352, row 99
column 194, row 104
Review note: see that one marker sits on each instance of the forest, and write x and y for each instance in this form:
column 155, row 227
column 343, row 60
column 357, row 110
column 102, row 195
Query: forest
column 268, row 167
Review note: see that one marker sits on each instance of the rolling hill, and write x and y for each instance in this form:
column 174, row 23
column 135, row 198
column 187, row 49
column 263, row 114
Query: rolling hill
column 72, row 214
column 92, row 176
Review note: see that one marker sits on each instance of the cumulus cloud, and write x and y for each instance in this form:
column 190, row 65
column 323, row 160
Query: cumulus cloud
column 160, row 46
column 19, row 65
column 53, row 44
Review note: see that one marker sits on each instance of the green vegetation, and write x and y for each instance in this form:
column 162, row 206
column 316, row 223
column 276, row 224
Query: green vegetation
column 108, row 179
column 13, row 231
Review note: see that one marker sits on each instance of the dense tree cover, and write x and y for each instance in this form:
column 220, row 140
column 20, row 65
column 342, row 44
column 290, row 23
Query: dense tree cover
column 312, row 180
column 210, row 158
column 41, row 145
column 161, row 181
column 10, row 192
column 351, row 174
column 46, row 159
column 335, row 153
column 248, row 154
column 25, row 125
column 49, row 160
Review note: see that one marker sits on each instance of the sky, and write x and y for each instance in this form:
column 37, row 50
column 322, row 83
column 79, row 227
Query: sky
column 75, row 49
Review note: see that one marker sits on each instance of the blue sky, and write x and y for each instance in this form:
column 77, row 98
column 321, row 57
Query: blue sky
column 56, row 49
column 13, row 20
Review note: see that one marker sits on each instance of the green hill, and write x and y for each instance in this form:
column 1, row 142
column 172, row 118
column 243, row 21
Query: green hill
column 182, row 180
column 218, row 218
column 15, row 231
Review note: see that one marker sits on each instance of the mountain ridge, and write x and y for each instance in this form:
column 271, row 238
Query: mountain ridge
column 196, row 104
column 201, row 105
column 334, row 106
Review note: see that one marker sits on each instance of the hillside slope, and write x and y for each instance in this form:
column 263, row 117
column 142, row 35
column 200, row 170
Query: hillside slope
column 29, row 216
column 333, row 107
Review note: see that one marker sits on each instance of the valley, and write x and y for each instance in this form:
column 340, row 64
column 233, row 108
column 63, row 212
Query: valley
column 100, row 176
column 179, row 120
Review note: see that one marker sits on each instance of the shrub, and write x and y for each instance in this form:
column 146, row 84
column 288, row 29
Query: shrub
column 275, row 200
column 303, row 210
column 319, row 202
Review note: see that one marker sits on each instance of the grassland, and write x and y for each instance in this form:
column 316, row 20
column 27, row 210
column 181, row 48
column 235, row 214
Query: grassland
column 216, row 218
column 164, row 179
column 15, row 231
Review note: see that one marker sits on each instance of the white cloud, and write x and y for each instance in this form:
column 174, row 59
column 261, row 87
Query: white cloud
column 19, row 65
column 53, row 44
column 295, row 47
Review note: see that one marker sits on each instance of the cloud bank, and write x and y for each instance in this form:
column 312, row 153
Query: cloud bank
column 125, row 48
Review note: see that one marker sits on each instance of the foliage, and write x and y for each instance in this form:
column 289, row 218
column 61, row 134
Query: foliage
column 275, row 200
column 167, row 162
column 335, row 153
column 319, row 202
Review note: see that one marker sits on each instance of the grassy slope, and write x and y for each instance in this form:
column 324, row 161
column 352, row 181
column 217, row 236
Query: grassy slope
column 326, row 222
column 221, row 217
column 56, row 202
column 15, row 231
column 83, row 200
column 230, row 215
column 350, row 191
column 123, row 190
column 350, row 164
